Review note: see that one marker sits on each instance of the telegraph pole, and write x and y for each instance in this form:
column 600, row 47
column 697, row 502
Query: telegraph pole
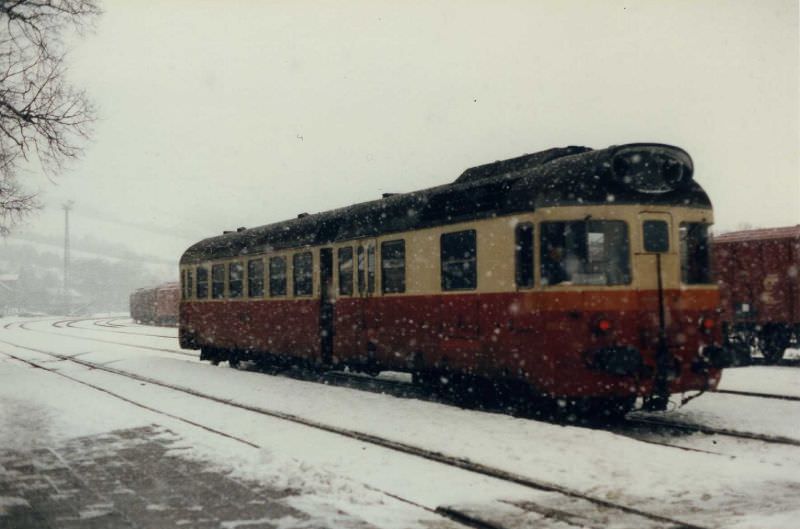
column 67, row 206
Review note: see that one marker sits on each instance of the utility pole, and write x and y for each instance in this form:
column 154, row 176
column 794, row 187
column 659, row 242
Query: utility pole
column 67, row 206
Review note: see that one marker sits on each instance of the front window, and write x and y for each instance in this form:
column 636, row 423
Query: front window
column 591, row 252
column 695, row 255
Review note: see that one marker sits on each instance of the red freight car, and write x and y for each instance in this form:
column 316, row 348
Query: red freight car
column 157, row 305
column 757, row 271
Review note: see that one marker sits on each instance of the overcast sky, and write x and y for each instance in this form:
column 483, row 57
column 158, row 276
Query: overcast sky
column 218, row 114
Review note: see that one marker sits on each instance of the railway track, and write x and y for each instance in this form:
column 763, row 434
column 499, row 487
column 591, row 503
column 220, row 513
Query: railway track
column 465, row 518
column 61, row 324
column 407, row 390
column 697, row 428
column 758, row 395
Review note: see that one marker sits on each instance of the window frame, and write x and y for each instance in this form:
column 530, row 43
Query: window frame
column 708, row 278
column 306, row 281
column 371, row 265
column 203, row 283
column 473, row 276
column 521, row 256
column 544, row 258
column 345, row 272
column 238, row 291
column 361, row 270
column 189, row 284
column 278, row 281
column 647, row 241
column 217, row 282
column 255, row 278
column 387, row 282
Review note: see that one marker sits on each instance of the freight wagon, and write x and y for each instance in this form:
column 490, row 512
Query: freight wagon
column 157, row 305
column 757, row 271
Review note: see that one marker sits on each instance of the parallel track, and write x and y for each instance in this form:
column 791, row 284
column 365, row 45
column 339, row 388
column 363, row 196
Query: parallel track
column 471, row 466
column 395, row 387
column 446, row 512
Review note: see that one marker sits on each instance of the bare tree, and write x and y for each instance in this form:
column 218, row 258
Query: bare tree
column 42, row 117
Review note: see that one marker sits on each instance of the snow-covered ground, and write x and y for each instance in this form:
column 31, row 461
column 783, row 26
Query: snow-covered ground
column 744, row 485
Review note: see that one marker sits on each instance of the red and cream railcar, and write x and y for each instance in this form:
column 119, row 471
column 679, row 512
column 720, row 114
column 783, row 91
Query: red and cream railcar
column 576, row 273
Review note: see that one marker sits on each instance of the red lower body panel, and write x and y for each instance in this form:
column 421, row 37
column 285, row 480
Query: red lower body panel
column 544, row 339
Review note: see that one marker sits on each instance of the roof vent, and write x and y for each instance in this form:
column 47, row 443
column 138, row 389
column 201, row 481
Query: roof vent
column 527, row 161
column 302, row 215
column 227, row 232
column 240, row 229
column 387, row 195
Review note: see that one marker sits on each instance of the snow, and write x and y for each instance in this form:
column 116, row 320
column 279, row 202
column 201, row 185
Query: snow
column 773, row 380
column 753, row 488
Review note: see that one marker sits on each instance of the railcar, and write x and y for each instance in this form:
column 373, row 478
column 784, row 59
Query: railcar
column 759, row 277
column 575, row 274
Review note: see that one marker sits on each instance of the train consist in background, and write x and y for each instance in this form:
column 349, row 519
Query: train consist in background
column 156, row 305
column 759, row 276
column 576, row 274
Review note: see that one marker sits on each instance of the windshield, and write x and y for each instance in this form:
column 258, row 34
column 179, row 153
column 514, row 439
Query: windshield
column 695, row 254
column 592, row 252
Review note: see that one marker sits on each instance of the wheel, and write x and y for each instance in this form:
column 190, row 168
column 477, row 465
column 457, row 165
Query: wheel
column 233, row 360
column 774, row 341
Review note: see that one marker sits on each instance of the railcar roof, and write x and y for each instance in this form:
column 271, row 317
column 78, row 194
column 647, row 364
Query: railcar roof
column 555, row 177
column 786, row 232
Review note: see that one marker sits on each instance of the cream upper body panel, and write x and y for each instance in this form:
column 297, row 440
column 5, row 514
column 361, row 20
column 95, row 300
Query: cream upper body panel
column 495, row 248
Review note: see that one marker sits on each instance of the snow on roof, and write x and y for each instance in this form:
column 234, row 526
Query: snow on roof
column 786, row 232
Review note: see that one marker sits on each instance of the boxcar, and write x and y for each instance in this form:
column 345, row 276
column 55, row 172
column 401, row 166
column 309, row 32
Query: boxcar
column 577, row 274
column 759, row 283
column 156, row 305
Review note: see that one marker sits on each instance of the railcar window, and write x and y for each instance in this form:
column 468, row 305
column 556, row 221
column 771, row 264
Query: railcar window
column 303, row 274
column 202, row 282
column 255, row 278
column 695, row 254
column 277, row 276
column 656, row 236
column 235, row 280
column 524, row 254
column 218, row 281
column 370, row 269
column 346, row 271
column 595, row 252
column 189, row 285
column 183, row 284
column 393, row 266
column 361, row 269
column 459, row 256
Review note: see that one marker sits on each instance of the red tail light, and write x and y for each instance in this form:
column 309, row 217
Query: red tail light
column 603, row 325
column 707, row 324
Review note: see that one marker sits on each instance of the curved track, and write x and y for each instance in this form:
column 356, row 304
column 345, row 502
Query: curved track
column 648, row 518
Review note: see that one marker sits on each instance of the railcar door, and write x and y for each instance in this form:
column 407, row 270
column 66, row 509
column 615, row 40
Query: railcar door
column 366, row 262
column 327, row 309
column 656, row 271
